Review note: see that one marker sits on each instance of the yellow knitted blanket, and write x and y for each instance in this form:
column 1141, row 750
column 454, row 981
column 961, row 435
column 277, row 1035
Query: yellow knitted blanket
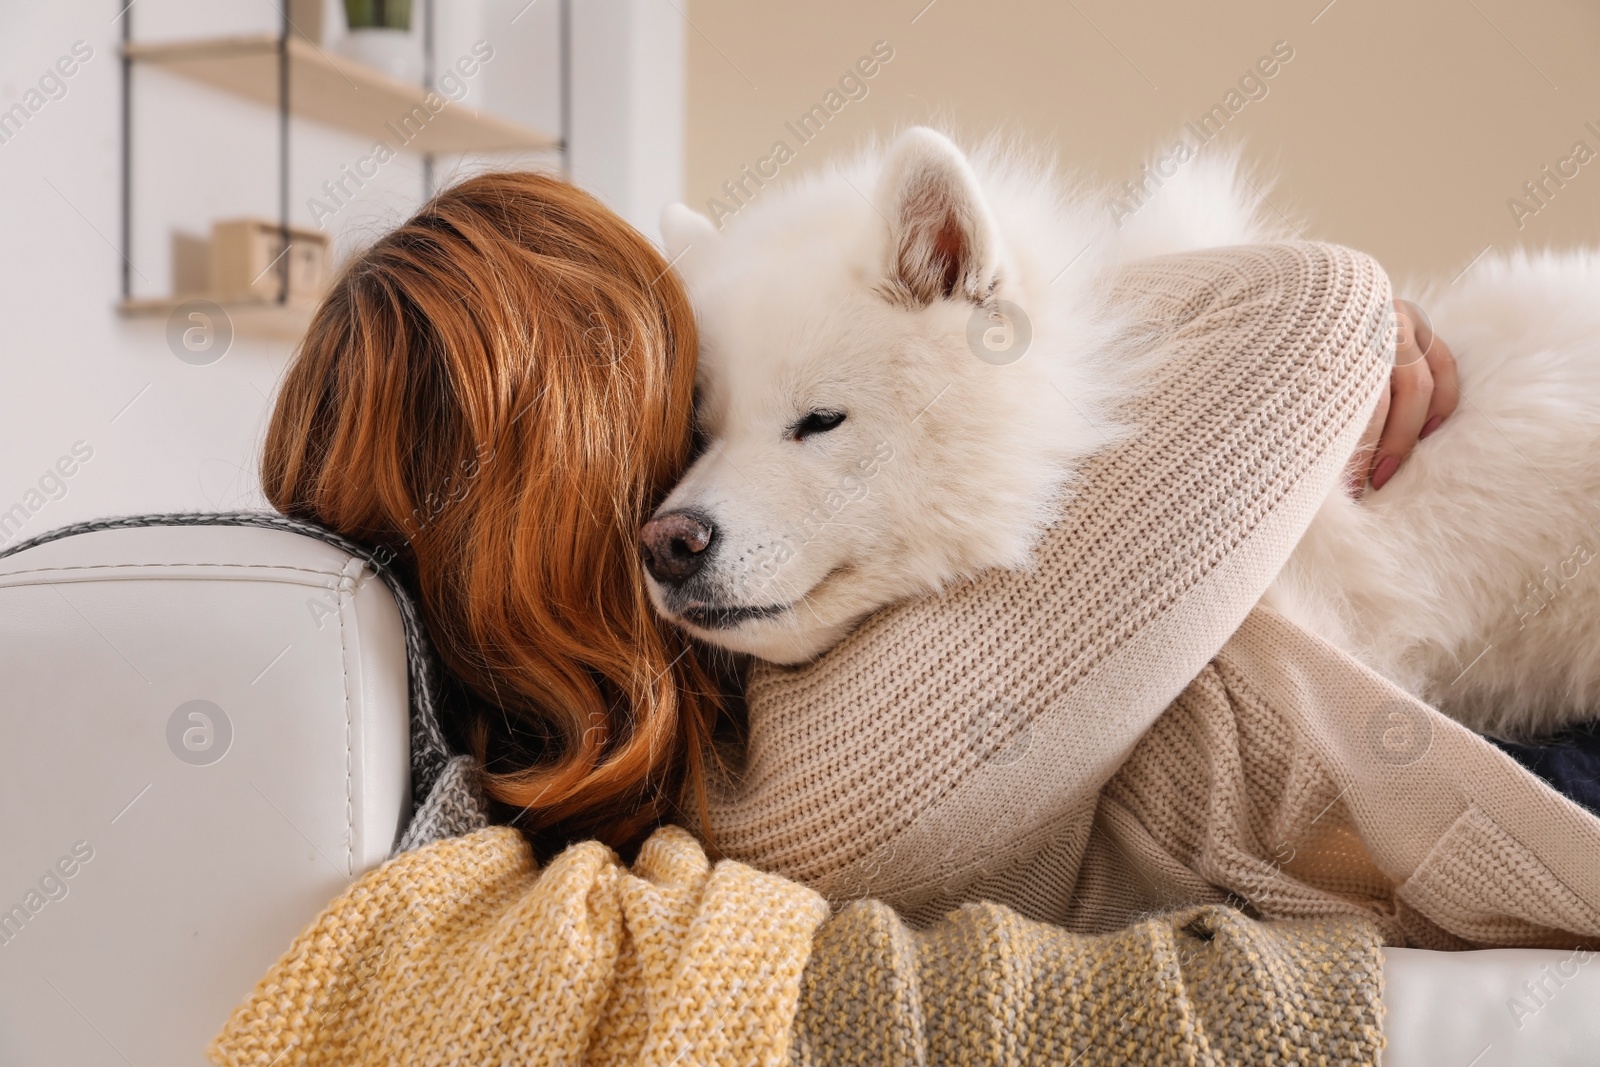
column 463, row 952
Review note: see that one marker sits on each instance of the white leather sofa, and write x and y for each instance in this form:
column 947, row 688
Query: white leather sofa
column 203, row 738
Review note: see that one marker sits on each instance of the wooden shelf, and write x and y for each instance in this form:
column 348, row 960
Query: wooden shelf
column 253, row 318
column 337, row 91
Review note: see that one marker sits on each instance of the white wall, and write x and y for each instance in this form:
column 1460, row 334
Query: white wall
column 166, row 435
column 628, row 105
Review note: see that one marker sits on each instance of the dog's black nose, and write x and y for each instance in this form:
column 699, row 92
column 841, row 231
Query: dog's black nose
column 674, row 546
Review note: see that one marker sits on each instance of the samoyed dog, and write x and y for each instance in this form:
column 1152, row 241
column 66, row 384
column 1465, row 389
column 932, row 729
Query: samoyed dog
column 858, row 454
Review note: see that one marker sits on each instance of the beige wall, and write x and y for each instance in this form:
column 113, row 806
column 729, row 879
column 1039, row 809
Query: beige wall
column 1402, row 129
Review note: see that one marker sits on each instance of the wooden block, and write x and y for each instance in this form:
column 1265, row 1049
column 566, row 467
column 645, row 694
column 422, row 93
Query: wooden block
column 247, row 261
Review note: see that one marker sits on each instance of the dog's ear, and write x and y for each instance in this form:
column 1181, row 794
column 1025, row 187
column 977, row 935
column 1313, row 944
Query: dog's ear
column 942, row 239
column 691, row 239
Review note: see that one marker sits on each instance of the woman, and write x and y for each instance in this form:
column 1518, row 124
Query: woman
column 498, row 393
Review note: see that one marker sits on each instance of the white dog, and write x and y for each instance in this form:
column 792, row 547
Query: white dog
column 859, row 454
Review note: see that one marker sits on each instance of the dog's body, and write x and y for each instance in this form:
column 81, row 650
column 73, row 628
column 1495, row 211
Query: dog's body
column 883, row 420
column 1472, row 579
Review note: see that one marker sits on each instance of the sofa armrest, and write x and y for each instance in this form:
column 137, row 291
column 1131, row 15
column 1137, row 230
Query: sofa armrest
column 205, row 739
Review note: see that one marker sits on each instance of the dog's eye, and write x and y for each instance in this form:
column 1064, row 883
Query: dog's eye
column 816, row 422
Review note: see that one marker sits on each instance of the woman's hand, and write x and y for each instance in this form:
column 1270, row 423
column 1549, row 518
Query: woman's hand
column 1422, row 393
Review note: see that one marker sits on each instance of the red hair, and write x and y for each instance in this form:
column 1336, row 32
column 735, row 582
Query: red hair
column 500, row 391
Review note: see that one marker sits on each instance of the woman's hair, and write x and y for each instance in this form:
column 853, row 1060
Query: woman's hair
column 499, row 392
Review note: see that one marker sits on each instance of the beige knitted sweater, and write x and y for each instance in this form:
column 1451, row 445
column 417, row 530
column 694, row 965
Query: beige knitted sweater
column 1120, row 729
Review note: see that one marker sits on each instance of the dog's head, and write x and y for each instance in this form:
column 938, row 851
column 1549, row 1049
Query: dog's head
column 871, row 432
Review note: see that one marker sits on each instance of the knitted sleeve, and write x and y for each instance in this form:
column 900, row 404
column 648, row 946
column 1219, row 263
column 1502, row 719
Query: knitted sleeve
column 1203, row 987
column 959, row 734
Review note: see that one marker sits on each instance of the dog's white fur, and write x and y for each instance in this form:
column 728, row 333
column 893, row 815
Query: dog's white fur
column 856, row 291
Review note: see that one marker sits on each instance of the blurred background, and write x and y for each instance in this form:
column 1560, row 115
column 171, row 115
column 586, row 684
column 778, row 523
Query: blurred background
column 140, row 297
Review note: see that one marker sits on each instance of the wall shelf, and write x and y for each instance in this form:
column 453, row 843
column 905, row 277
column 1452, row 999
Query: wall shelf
column 298, row 78
column 334, row 90
column 284, row 321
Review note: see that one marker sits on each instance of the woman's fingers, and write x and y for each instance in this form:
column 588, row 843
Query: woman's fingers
column 1410, row 395
column 1442, row 366
column 1423, row 391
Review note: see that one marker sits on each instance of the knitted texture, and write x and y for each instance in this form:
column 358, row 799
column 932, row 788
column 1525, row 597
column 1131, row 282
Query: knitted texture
column 1306, row 787
column 1204, row 987
column 952, row 730
column 463, row 952
column 453, row 805
column 1310, row 787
